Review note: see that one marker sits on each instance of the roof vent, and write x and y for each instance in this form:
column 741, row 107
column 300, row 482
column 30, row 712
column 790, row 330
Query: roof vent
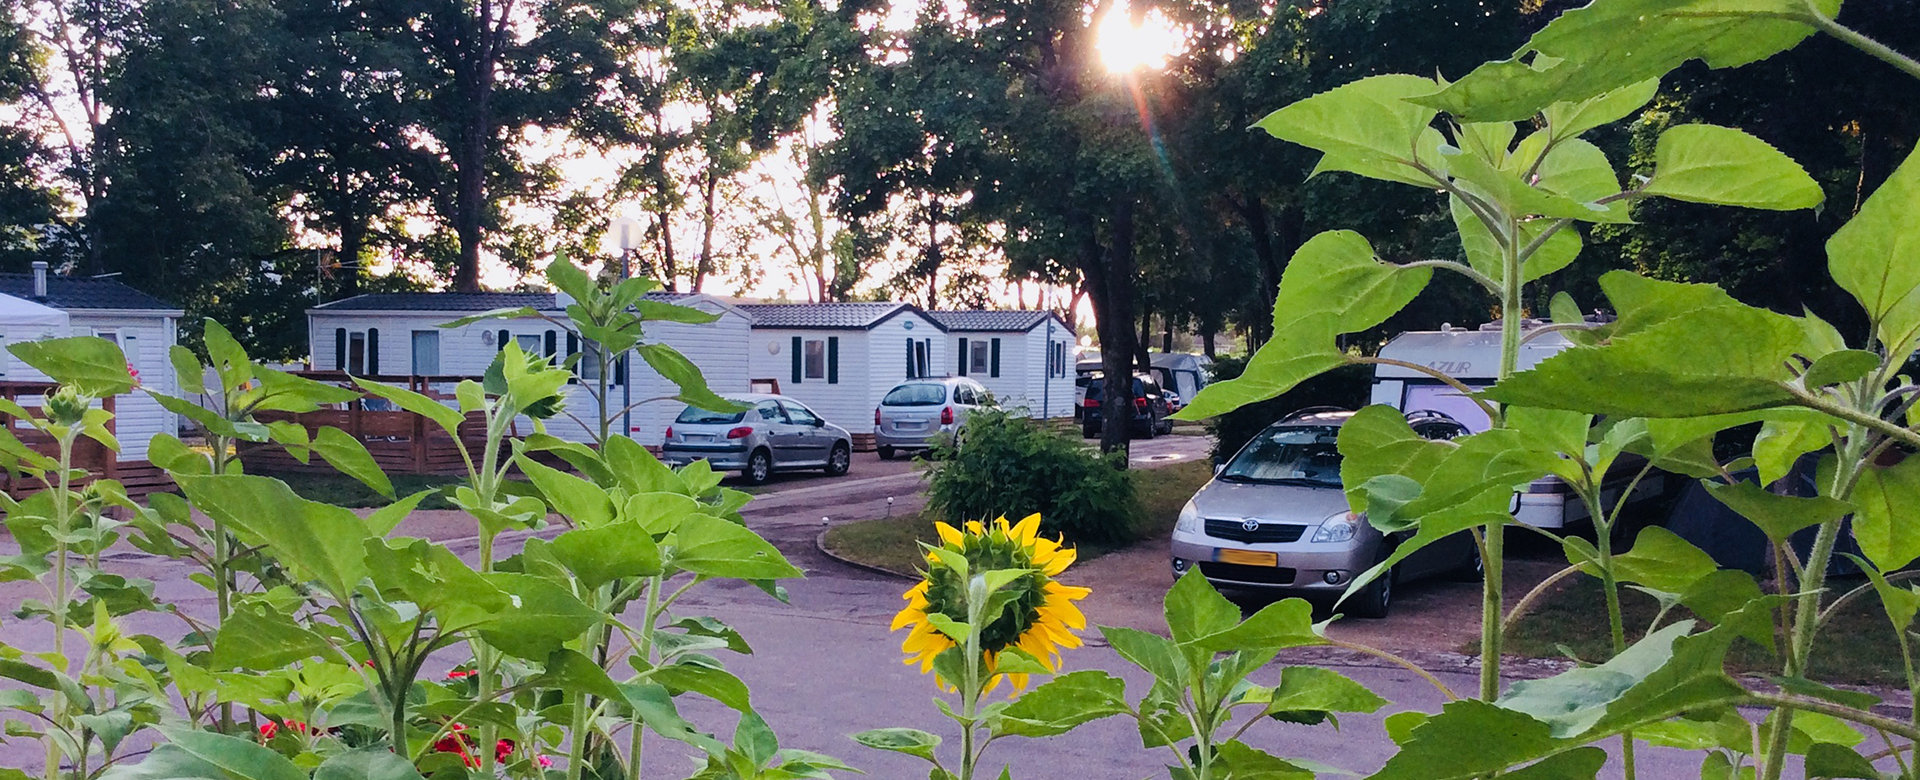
column 40, row 279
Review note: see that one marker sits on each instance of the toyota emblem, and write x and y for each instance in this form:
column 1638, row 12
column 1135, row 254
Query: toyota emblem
column 1251, row 525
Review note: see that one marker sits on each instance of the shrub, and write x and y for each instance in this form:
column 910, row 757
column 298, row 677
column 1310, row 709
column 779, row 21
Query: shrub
column 1012, row 466
column 1345, row 387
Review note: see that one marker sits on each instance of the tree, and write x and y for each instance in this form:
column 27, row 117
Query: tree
column 27, row 205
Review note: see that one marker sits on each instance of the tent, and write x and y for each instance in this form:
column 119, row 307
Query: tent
column 1735, row 542
column 24, row 320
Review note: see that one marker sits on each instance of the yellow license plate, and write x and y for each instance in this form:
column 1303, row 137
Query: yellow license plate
column 1248, row 557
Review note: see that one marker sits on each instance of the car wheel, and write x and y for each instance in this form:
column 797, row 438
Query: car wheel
column 840, row 460
column 1089, row 431
column 1153, row 428
column 1376, row 599
column 885, row 452
column 759, row 467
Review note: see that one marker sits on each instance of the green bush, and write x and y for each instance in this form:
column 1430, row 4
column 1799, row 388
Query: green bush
column 1346, row 387
column 1012, row 466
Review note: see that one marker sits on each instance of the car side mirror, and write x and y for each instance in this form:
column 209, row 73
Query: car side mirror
column 1219, row 467
column 819, row 423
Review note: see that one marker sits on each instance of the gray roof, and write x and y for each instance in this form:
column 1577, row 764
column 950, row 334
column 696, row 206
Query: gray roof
column 84, row 292
column 855, row 316
column 459, row 301
column 997, row 321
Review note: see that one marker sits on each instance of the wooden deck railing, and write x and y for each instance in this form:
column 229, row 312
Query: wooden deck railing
column 98, row 460
column 401, row 442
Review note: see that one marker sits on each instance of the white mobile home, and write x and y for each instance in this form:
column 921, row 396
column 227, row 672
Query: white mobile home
column 143, row 326
column 840, row 358
column 399, row 334
column 1023, row 357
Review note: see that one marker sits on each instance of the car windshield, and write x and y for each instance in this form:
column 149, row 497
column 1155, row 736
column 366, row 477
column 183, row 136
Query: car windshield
column 1290, row 455
column 916, row 395
column 694, row 415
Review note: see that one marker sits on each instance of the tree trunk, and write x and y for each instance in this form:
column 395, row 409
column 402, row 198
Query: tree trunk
column 934, row 258
column 353, row 242
column 669, row 268
column 1166, row 343
column 1254, row 212
column 704, row 265
column 1141, row 346
column 1207, row 345
column 1109, row 276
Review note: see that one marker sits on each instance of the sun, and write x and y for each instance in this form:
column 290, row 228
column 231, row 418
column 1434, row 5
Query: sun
column 1126, row 45
column 1041, row 620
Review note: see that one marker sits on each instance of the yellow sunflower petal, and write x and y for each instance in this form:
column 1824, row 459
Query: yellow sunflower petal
column 907, row 617
column 1027, row 529
column 948, row 534
column 974, row 527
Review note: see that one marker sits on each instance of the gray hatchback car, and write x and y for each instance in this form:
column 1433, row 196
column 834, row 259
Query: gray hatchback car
column 775, row 433
column 1275, row 517
column 914, row 413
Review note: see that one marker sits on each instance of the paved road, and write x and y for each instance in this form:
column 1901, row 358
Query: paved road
column 826, row 666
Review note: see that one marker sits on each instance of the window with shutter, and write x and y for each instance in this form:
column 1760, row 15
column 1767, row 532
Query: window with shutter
column 797, row 367
column 994, row 369
column 373, row 352
column 963, row 357
column 339, row 349
column 833, row 360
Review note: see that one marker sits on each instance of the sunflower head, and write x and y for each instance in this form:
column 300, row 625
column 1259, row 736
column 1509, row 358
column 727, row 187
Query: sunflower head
column 1038, row 617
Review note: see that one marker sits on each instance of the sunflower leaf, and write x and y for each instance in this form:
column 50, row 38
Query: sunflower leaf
column 912, row 742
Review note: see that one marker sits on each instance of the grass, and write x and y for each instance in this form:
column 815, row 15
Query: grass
column 1858, row 647
column 893, row 543
column 341, row 490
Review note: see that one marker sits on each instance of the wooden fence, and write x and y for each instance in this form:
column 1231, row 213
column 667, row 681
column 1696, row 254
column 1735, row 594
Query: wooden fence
column 401, row 442
column 99, row 461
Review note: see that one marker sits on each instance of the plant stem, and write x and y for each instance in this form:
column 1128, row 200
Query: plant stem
column 582, row 709
column 62, row 519
column 1853, row 38
column 637, row 738
column 1492, row 589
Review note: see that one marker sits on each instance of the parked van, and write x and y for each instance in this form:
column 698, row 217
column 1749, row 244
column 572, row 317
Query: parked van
column 1473, row 358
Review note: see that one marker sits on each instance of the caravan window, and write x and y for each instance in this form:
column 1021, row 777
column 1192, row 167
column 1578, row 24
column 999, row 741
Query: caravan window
column 981, row 361
column 816, row 359
column 1446, row 400
column 426, row 353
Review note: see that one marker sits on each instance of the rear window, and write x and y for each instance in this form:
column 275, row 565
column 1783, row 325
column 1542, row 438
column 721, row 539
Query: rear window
column 697, row 416
column 916, row 395
column 1098, row 389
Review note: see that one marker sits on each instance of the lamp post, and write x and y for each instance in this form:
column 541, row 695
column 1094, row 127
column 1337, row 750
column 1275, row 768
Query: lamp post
column 627, row 233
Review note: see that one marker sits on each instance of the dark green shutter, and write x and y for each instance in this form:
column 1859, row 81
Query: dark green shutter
column 620, row 370
column 963, row 357
column 339, row 349
column 833, row 360
column 502, row 338
column 573, row 348
column 552, row 344
column 910, row 358
column 797, row 358
column 995, row 370
column 373, row 352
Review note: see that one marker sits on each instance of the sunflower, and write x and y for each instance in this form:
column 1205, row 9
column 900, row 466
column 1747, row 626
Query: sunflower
column 1041, row 619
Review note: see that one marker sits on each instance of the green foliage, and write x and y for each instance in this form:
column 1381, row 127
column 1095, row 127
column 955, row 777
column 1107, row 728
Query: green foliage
column 1345, row 387
column 1008, row 466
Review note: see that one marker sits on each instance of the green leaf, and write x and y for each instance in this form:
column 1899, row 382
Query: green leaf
column 1614, row 44
column 382, row 521
column 1826, row 759
column 1661, row 560
column 1569, row 119
column 676, row 368
column 510, row 313
column 446, row 417
column 1656, row 365
column 367, row 763
column 1900, row 604
column 237, row 758
column 542, row 617
column 1195, row 610
column 1064, row 703
column 581, row 501
column 577, row 674
column 1367, row 123
column 1876, row 257
column 352, row 459
column 1840, row 367
column 187, row 370
column 1156, row 654
column 261, row 638
column 913, row 742
column 1728, row 167
column 1500, row 738
column 229, row 359
column 1777, row 516
column 656, row 311
column 93, row 366
column 1248, row 763
column 1883, row 499
column 1313, row 689
column 716, row 548
column 716, row 684
column 1582, row 763
column 317, row 541
column 601, row 555
column 1332, row 285
column 1574, row 701
column 655, row 707
column 1781, row 442
column 1277, row 626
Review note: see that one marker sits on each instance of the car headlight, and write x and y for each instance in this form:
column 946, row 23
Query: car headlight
column 1337, row 528
column 1189, row 519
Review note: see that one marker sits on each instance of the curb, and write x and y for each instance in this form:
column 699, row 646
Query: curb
column 820, row 543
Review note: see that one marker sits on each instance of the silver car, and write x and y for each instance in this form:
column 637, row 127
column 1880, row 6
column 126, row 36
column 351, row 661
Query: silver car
column 1275, row 517
column 775, row 433
column 915, row 412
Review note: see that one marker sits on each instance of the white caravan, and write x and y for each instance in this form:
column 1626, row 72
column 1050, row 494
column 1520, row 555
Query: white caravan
column 1472, row 357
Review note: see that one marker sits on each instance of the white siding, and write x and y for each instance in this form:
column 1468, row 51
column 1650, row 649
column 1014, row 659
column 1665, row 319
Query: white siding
column 848, row 402
column 138, row 418
column 1055, row 392
column 889, row 366
column 1023, row 381
column 717, row 348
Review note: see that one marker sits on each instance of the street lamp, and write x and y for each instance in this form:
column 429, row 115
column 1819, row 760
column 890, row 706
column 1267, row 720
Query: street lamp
column 626, row 233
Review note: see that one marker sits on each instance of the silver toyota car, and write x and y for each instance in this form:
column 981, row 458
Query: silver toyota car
column 775, row 433
column 1275, row 517
column 914, row 412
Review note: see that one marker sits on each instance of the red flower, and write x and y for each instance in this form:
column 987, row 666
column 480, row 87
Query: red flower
column 501, row 750
column 461, row 674
column 271, row 728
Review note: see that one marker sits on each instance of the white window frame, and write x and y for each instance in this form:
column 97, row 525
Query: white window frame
column 980, row 358
column 813, row 362
column 413, row 345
